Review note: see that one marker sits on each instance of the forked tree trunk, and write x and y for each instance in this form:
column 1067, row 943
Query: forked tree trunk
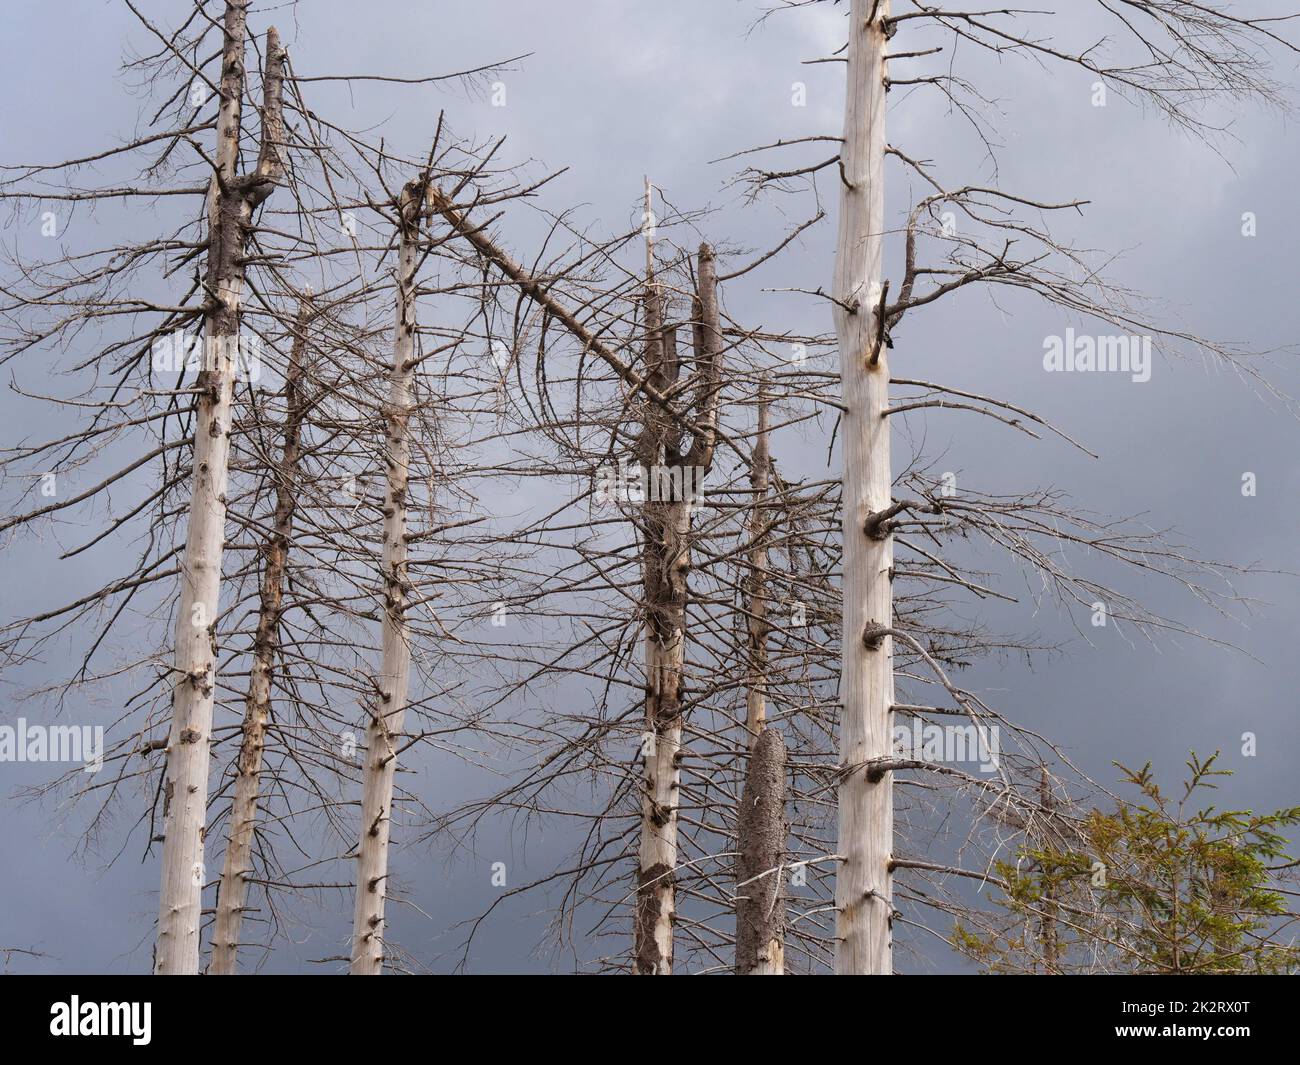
column 231, row 202
column 383, row 734
column 664, row 566
column 665, row 572
column 863, row 889
column 666, row 532
column 761, row 828
column 232, row 895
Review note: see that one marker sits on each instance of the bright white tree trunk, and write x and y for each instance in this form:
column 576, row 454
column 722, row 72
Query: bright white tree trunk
column 863, row 889
column 231, row 202
column 238, row 864
column 383, row 734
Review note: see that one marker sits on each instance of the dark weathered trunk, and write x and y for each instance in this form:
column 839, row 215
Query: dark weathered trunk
column 666, row 565
column 761, row 829
column 667, row 562
column 761, row 837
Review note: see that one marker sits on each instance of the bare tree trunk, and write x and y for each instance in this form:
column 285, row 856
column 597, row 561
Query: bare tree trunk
column 761, row 835
column 760, row 825
column 233, row 892
column 756, row 601
column 863, row 889
column 667, row 562
column 385, row 728
column 666, row 567
column 231, row 201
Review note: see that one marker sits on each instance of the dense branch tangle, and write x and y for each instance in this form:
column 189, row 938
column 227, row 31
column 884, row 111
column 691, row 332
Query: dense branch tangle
column 283, row 535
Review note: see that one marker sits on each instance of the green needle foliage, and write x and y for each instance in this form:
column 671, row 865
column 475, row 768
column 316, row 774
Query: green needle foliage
column 1156, row 886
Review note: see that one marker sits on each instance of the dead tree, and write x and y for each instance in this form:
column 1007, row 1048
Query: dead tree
column 756, row 601
column 667, row 563
column 191, row 432
column 389, row 705
column 653, row 576
column 1184, row 54
column 761, row 827
column 237, row 864
column 863, row 899
column 231, row 203
column 760, row 867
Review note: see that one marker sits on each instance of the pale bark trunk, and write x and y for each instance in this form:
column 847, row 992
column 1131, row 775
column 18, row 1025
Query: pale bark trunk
column 863, row 889
column 233, row 892
column 231, row 201
column 383, row 734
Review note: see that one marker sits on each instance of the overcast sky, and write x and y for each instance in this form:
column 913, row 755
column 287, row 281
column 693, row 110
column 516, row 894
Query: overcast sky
column 617, row 90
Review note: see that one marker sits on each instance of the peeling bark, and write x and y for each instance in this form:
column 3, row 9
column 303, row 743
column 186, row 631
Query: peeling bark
column 666, row 566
